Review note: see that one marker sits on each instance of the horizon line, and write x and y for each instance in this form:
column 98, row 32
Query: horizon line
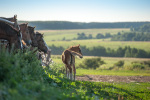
column 77, row 21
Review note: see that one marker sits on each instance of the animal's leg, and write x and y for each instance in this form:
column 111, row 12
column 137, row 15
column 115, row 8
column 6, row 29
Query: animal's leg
column 70, row 72
column 66, row 71
column 74, row 70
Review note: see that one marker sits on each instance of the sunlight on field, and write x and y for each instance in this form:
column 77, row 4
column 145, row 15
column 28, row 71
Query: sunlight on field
column 108, row 60
column 81, row 72
column 55, row 37
column 107, row 44
column 71, row 34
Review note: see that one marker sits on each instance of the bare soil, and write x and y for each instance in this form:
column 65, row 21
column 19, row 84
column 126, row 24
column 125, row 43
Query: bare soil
column 105, row 78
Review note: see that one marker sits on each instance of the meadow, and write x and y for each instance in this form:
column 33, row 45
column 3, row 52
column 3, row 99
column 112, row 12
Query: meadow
column 107, row 44
column 55, row 37
column 31, row 81
column 104, row 69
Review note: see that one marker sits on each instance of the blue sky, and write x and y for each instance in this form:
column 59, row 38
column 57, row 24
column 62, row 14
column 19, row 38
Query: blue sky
column 77, row 10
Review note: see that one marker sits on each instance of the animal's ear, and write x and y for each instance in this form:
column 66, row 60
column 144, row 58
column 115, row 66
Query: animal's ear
column 27, row 23
column 15, row 16
column 42, row 34
column 34, row 27
column 78, row 45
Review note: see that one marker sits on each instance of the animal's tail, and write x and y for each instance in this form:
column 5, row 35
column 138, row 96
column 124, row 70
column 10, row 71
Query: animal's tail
column 63, row 57
column 75, row 53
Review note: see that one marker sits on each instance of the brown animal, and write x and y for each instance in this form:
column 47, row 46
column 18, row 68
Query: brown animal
column 12, row 22
column 42, row 46
column 12, row 19
column 22, row 27
column 25, row 33
column 10, row 34
column 33, row 36
column 68, row 58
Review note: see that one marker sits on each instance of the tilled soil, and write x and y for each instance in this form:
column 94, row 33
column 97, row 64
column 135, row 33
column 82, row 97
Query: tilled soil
column 105, row 78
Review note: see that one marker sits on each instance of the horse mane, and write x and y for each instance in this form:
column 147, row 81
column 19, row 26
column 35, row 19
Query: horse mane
column 38, row 33
column 7, row 18
column 30, row 28
column 23, row 24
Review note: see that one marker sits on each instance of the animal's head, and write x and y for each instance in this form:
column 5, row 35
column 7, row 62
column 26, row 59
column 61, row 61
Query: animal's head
column 41, row 43
column 25, row 33
column 17, row 40
column 77, row 49
column 33, row 36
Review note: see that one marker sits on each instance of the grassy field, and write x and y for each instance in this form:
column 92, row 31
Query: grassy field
column 31, row 81
column 70, row 34
column 107, row 44
column 103, row 69
column 54, row 37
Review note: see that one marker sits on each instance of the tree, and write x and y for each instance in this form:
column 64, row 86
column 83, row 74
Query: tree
column 81, row 36
column 99, row 36
column 90, row 36
column 107, row 35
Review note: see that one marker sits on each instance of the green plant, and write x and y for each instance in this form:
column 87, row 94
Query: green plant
column 138, row 66
column 92, row 63
column 119, row 63
column 25, row 79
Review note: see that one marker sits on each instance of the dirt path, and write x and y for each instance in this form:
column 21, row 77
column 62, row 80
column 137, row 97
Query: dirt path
column 105, row 78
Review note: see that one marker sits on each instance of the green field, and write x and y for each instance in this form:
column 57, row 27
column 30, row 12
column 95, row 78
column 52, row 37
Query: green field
column 107, row 44
column 31, row 81
column 103, row 69
column 54, row 37
column 70, row 34
column 100, row 90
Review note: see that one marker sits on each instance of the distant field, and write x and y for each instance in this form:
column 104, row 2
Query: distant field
column 70, row 34
column 108, row 60
column 107, row 44
column 54, row 37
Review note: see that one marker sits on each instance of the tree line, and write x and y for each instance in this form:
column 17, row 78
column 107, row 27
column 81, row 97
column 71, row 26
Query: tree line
column 83, row 36
column 47, row 25
column 106, row 52
column 141, row 33
column 124, row 36
column 131, row 36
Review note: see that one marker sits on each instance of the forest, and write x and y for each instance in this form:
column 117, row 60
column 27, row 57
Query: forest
column 53, row 25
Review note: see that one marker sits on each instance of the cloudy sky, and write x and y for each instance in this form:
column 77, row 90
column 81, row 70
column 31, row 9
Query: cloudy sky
column 77, row 10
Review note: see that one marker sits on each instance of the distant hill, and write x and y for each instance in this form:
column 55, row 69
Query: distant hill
column 53, row 25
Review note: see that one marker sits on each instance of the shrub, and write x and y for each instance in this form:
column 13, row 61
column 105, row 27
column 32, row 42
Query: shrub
column 17, row 67
column 138, row 66
column 119, row 63
column 92, row 63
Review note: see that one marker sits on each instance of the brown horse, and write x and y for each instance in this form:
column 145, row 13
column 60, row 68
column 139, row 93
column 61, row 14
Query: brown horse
column 33, row 36
column 12, row 19
column 25, row 33
column 22, row 27
column 42, row 46
column 9, row 33
column 68, row 58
